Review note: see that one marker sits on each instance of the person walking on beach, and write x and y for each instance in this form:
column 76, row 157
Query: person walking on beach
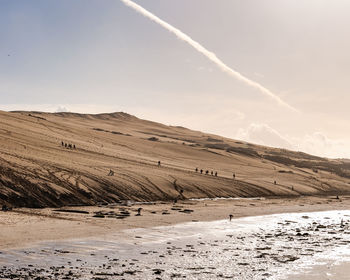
column 158, row 163
column 231, row 216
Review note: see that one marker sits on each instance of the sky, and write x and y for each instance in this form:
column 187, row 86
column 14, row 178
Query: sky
column 94, row 56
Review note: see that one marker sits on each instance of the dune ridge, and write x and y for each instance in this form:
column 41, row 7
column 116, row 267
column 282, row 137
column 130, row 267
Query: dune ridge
column 37, row 171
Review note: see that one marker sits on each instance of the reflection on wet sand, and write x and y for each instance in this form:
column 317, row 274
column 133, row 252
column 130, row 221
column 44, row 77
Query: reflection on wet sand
column 262, row 247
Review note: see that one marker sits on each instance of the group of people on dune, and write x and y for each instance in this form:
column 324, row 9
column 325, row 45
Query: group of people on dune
column 68, row 146
column 207, row 172
column 212, row 173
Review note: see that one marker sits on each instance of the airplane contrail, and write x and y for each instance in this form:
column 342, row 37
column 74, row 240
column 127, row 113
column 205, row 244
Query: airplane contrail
column 210, row 55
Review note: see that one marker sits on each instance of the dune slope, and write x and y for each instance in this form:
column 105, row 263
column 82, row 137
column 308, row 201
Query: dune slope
column 37, row 171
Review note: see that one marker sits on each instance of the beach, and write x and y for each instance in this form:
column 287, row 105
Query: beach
column 168, row 140
column 25, row 226
column 264, row 240
column 148, row 201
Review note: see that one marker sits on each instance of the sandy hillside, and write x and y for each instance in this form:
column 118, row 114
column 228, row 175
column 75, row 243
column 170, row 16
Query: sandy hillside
column 37, row 171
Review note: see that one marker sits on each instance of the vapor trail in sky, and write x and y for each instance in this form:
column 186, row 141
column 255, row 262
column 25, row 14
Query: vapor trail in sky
column 210, row 55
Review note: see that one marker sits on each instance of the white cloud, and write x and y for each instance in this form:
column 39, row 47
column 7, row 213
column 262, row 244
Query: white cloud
column 319, row 144
column 61, row 109
column 315, row 143
column 263, row 134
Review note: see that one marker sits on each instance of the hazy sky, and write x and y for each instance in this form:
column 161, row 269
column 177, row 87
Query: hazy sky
column 101, row 56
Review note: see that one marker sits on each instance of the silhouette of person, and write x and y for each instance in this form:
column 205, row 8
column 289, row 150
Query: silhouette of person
column 201, row 171
column 158, row 163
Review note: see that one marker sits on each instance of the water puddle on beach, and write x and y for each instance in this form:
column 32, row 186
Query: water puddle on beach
column 282, row 246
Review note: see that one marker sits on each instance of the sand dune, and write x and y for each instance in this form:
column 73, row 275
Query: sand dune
column 37, row 171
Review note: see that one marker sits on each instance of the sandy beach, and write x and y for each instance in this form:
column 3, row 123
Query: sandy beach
column 191, row 239
column 107, row 205
column 25, row 227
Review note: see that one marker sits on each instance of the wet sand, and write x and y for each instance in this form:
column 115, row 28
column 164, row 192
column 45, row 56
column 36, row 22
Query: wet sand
column 295, row 245
column 190, row 239
column 327, row 271
column 25, row 227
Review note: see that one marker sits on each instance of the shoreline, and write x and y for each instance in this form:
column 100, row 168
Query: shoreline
column 304, row 245
column 25, row 227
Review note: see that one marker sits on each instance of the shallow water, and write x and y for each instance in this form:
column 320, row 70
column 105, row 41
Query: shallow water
column 283, row 246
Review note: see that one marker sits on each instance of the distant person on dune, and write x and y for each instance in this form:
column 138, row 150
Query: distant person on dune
column 158, row 163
